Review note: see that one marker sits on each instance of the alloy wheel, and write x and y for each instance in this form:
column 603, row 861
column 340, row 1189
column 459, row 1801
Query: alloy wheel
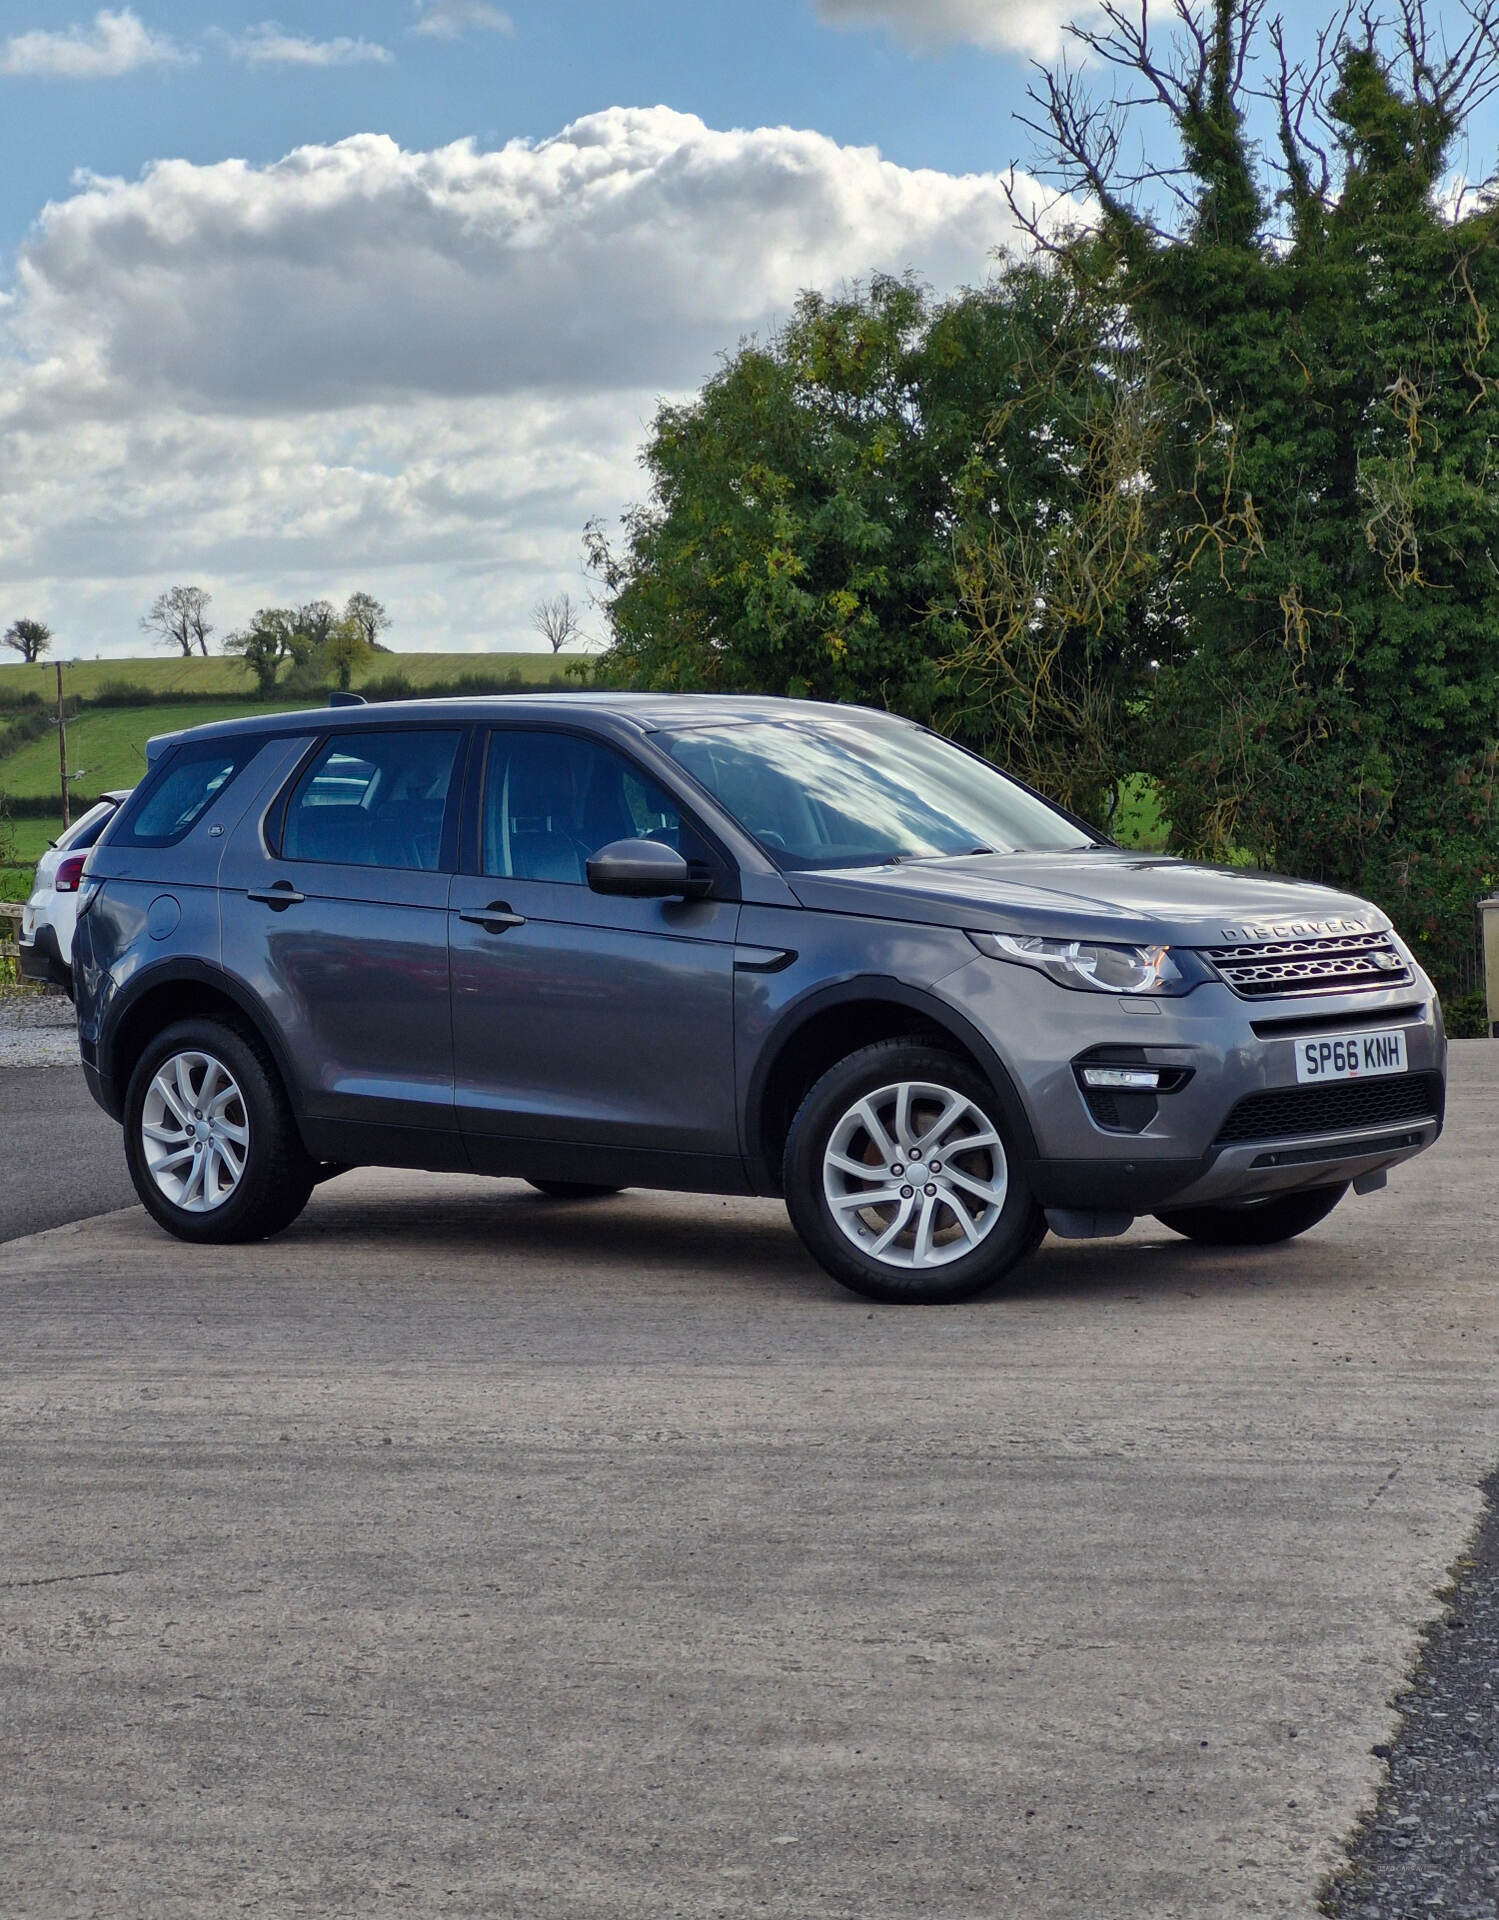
column 915, row 1175
column 195, row 1131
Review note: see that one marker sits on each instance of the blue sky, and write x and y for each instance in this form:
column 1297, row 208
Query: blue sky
column 731, row 62
column 304, row 298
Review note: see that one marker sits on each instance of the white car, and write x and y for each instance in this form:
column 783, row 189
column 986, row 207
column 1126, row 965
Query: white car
column 51, row 914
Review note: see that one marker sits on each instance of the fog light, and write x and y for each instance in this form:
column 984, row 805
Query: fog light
column 1123, row 1079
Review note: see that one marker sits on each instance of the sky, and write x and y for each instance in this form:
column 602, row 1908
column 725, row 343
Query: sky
column 384, row 295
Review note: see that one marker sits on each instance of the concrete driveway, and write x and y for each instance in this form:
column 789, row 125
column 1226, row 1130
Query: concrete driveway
column 62, row 1159
column 466, row 1553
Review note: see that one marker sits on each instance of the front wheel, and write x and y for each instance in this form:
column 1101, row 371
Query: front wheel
column 1254, row 1223
column 209, row 1138
column 901, row 1179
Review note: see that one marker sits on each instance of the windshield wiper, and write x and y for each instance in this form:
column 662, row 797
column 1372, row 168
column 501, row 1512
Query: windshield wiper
column 911, row 859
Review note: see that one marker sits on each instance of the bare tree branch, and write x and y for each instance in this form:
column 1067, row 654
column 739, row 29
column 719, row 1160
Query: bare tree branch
column 555, row 618
column 178, row 617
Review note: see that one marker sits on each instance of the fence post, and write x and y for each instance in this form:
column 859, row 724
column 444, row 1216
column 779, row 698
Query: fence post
column 1490, row 911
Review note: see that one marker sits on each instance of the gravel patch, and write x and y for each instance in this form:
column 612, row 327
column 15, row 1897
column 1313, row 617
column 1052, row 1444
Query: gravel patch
column 37, row 1031
column 1431, row 1845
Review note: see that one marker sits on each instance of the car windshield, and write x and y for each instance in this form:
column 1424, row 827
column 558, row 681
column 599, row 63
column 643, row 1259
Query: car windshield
column 866, row 792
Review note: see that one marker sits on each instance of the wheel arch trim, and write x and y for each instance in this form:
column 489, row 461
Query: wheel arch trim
column 874, row 989
column 197, row 973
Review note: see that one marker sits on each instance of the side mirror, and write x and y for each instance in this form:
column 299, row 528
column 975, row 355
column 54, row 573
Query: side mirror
column 645, row 870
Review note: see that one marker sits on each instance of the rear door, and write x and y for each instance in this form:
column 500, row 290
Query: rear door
column 335, row 915
column 581, row 1019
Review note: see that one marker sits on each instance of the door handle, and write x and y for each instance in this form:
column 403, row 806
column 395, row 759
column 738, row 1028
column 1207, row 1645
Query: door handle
column 495, row 918
column 283, row 894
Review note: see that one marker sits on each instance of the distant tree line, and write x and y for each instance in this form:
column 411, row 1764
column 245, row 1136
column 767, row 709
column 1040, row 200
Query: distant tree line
column 1202, row 490
column 314, row 641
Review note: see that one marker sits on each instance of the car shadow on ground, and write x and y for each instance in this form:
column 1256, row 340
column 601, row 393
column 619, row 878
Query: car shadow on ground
column 682, row 1241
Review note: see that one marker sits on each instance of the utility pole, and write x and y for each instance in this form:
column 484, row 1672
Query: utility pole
column 62, row 750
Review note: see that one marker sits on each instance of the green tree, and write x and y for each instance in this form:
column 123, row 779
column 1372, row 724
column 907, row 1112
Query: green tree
column 365, row 612
column 1328, row 699
column 1055, row 548
column 343, row 652
column 316, row 620
column 908, row 504
column 29, row 638
column 272, row 637
column 784, row 548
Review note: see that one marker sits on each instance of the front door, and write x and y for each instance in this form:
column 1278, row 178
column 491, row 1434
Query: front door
column 580, row 1020
column 341, row 929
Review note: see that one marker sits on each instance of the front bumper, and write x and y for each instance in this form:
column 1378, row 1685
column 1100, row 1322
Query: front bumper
column 1229, row 1049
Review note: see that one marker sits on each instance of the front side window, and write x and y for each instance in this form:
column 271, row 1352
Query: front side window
column 174, row 797
column 866, row 792
column 552, row 800
column 374, row 799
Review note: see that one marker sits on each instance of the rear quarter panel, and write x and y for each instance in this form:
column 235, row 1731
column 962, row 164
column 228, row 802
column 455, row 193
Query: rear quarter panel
column 124, row 947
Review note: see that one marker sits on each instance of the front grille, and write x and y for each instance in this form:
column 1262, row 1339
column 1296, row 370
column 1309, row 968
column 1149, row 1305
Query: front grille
column 1347, row 1107
column 1332, row 963
column 1299, row 1026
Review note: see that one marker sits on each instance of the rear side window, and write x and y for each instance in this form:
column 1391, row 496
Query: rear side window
column 374, row 800
column 86, row 831
column 172, row 800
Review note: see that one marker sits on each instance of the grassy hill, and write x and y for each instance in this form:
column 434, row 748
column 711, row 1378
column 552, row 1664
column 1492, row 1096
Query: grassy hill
column 220, row 674
column 107, row 745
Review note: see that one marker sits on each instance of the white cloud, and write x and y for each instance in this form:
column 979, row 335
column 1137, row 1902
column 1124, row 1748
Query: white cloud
column 116, row 43
column 1001, row 26
column 267, row 46
column 427, row 369
column 448, row 19
column 627, row 250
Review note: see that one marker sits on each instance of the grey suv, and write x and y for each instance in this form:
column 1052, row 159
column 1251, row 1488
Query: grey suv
column 732, row 946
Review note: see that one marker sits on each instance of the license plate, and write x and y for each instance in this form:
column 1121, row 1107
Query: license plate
column 1350, row 1056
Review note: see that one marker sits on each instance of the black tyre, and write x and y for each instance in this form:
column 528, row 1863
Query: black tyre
column 209, row 1137
column 1254, row 1223
column 572, row 1189
column 901, row 1178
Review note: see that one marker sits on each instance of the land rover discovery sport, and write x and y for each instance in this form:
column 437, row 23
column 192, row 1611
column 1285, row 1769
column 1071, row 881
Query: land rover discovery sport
column 731, row 945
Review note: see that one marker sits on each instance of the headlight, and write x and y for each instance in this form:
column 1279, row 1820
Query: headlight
column 1086, row 964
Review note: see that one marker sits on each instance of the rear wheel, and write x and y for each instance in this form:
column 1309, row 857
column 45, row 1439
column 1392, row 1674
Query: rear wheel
column 1254, row 1223
column 571, row 1189
column 209, row 1137
column 901, row 1179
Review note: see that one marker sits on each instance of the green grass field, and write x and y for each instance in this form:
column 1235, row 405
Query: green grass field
column 30, row 839
column 221, row 674
column 106, row 745
column 26, row 841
